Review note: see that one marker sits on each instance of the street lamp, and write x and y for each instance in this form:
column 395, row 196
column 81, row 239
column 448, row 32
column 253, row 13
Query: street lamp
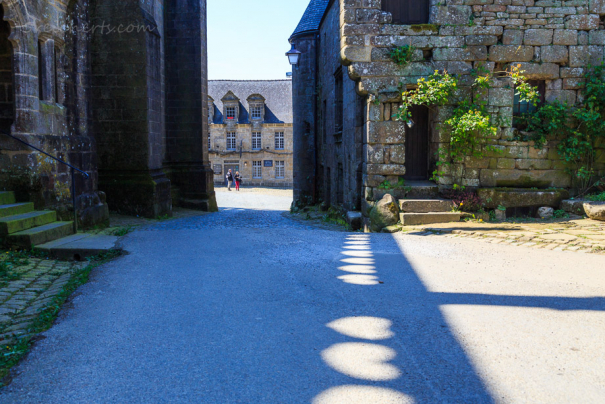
column 293, row 55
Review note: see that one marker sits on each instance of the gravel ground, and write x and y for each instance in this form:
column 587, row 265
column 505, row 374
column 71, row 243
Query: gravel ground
column 248, row 306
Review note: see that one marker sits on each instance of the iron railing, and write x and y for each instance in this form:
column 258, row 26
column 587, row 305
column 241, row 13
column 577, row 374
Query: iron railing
column 73, row 174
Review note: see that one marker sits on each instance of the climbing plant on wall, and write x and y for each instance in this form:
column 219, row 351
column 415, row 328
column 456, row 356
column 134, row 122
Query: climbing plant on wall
column 470, row 123
column 578, row 129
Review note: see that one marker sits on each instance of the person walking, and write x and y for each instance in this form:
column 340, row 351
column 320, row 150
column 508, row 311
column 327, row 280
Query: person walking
column 229, row 177
column 238, row 180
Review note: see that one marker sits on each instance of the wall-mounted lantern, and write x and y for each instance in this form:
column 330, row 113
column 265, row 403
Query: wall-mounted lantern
column 293, row 55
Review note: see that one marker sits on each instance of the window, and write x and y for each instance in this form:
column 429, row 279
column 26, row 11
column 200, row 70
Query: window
column 41, row 71
column 56, row 67
column 279, row 140
column 230, row 112
column 407, row 11
column 256, row 112
column 257, row 169
column 521, row 108
column 230, row 140
column 209, row 146
column 256, row 141
column 280, row 169
column 338, row 105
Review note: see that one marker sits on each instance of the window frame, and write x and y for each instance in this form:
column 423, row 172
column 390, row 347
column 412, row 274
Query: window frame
column 280, row 142
column 257, row 141
column 338, row 101
column 257, row 169
column 280, row 168
column 523, row 107
column 256, row 110
column 228, row 115
column 231, row 137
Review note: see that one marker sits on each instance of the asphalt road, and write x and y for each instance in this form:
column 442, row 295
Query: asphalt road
column 247, row 306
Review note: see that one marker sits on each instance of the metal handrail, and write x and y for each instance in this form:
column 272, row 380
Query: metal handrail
column 73, row 169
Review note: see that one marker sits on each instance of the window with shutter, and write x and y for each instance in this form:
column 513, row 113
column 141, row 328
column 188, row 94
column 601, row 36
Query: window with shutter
column 407, row 12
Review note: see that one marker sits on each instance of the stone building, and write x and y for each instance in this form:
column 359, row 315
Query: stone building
column 251, row 131
column 346, row 89
column 112, row 87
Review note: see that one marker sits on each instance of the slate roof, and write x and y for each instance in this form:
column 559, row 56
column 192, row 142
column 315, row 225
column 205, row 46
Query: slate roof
column 277, row 94
column 312, row 16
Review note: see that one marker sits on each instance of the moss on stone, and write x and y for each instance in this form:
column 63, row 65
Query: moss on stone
column 425, row 27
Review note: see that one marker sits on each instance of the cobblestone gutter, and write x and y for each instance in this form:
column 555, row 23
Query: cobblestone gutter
column 31, row 295
column 583, row 236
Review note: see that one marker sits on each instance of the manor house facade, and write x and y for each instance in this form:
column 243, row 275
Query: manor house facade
column 251, row 131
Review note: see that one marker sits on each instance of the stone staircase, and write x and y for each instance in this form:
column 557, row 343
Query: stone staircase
column 422, row 206
column 23, row 227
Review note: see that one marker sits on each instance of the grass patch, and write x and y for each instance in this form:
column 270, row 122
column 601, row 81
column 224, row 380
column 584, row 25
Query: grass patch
column 10, row 355
column 122, row 231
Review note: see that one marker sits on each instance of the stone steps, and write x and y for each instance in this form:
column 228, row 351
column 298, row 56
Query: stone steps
column 40, row 235
column 13, row 209
column 416, row 212
column 425, row 205
column 23, row 227
column 25, row 221
column 416, row 219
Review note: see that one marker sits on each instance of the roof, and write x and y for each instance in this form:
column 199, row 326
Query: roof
column 277, row 94
column 312, row 17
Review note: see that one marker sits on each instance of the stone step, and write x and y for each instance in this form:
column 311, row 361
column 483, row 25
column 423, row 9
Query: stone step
column 40, row 235
column 79, row 246
column 16, row 223
column 422, row 190
column 7, row 198
column 13, row 209
column 425, row 205
column 415, row 219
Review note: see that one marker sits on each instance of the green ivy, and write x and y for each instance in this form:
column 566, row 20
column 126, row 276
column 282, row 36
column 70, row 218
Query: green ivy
column 577, row 128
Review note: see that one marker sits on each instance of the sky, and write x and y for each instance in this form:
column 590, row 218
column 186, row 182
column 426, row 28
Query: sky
column 248, row 39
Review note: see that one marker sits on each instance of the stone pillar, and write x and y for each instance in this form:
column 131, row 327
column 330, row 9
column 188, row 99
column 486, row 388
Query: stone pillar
column 127, row 100
column 187, row 104
column 304, row 88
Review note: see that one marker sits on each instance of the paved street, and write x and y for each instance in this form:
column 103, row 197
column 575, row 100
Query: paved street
column 248, row 306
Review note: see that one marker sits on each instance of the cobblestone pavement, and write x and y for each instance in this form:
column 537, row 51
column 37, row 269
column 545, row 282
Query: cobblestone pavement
column 583, row 235
column 21, row 300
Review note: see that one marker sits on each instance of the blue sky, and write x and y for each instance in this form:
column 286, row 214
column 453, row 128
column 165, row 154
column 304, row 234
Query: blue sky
column 248, row 39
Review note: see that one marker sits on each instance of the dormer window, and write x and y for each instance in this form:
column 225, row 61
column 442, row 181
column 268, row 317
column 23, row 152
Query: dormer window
column 231, row 107
column 230, row 113
column 256, row 106
column 256, row 112
column 210, row 110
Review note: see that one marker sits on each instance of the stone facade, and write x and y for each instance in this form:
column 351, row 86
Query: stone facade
column 553, row 41
column 255, row 135
column 96, row 83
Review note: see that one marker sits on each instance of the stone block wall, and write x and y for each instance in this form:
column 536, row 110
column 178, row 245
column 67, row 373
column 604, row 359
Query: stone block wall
column 553, row 41
column 44, row 94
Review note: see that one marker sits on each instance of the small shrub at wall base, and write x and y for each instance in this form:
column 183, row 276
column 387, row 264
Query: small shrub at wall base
column 402, row 55
column 465, row 201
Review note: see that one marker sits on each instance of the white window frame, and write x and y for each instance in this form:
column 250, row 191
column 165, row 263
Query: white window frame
column 256, row 111
column 279, row 141
column 257, row 141
column 231, row 141
column 280, row 169
column 257, row 169
column 230, row 113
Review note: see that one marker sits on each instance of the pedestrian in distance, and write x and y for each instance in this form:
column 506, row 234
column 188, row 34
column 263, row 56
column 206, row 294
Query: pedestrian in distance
column 229, row 177
column 238, row 180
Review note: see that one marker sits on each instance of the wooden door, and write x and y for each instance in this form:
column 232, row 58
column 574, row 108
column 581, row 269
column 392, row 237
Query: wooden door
column 417, row 145
column 407, row 11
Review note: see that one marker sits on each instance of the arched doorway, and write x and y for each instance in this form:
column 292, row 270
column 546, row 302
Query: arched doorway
column 7, row 95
